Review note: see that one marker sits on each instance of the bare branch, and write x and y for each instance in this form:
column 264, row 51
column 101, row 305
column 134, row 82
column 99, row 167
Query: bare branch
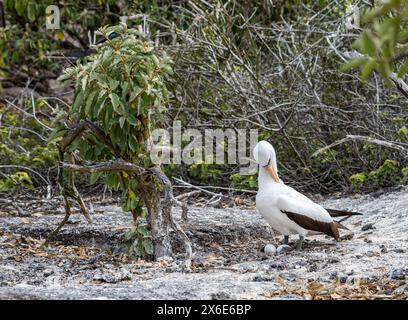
column 388, row 144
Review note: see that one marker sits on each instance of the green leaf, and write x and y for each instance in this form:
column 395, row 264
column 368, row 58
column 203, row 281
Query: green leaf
column 367, row 69
column 79, row 98
column 84, row 82
column 367, row 43
column 135, row 93
column 133, row 144
column 89, row 102
column 403, row 70
column 57, row 132
column 384, row 70
column 95, row 176
column 112, row 180
column 101, row 104
column 142, row 229
column 148, row 246
column 131, row 119
column 19, row 6
column 31, row 12
column 122, row 121
column 352, row 64
column 167, row 69
column 116, row 103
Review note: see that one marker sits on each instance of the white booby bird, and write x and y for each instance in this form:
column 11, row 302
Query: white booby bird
column 285, row 209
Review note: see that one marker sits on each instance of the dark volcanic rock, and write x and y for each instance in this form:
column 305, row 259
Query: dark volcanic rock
column 367, row 226
column 399, row 274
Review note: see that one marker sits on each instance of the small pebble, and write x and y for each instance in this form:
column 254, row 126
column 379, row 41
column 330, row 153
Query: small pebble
column 401, row 290
column 48, row 272
column 367, row 226
column 270, row 249
column 343, row 279
column 284, row 248
column 399, row 274
column 333, row 260
column 262, row 278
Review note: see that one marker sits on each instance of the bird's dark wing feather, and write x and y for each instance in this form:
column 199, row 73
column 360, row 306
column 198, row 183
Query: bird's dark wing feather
column 329, row 228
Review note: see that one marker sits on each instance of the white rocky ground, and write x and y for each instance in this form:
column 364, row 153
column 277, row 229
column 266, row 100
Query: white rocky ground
column 89, row 261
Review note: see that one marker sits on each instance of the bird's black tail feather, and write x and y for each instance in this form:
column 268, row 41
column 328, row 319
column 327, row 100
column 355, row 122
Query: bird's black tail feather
column 342, row 213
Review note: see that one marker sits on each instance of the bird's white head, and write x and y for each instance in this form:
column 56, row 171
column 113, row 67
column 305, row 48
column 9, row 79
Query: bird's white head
column 264, row 155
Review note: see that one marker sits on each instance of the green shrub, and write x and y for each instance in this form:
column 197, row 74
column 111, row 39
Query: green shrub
column 388, row 174
column 15, row 181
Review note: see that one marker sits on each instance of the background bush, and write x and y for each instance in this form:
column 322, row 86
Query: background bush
column 271, row 66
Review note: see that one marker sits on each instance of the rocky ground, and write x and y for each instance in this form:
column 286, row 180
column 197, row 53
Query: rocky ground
column 91, row 262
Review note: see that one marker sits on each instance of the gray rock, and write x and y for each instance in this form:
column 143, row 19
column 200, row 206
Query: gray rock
column 333, row 260
column 270, row 249
column 263, row 278
column 401, row 290
column 48, row 272
column 399, row 274
column 284, row 248
column 350, row 272
column 367, row 226
column 220, row 296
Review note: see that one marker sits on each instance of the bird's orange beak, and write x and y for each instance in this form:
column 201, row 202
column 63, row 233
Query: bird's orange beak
column 272, row 173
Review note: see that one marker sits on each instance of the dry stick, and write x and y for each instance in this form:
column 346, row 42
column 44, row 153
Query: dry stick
column 189, row 185
column 71, row 191
column 187, row 194
column 60, row 180
column 107, row 166
column 350, row 137
column 76, row 194
column 62, row 223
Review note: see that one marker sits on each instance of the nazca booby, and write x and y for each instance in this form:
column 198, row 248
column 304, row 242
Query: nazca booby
column 285, row 209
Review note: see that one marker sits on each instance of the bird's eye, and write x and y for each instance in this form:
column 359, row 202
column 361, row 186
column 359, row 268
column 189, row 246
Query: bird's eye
column 269, row 162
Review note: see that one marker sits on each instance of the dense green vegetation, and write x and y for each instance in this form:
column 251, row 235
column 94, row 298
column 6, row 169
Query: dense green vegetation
column 273, row 68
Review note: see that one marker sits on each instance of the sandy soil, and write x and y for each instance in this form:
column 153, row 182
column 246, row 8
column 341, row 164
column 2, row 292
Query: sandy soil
column 91, row 262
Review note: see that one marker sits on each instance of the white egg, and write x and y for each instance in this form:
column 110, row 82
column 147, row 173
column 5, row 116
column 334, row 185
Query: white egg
column 270, row 249
column 284, row 248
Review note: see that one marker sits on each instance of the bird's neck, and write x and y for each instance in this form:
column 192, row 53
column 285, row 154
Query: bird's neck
column 264, row 178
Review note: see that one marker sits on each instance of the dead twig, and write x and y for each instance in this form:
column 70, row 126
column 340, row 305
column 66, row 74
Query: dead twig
column 388, row 144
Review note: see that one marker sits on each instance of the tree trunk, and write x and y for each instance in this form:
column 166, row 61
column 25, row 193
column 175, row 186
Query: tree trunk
column 159, row 226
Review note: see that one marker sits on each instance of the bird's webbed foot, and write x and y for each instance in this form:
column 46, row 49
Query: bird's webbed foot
column 300, row 242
